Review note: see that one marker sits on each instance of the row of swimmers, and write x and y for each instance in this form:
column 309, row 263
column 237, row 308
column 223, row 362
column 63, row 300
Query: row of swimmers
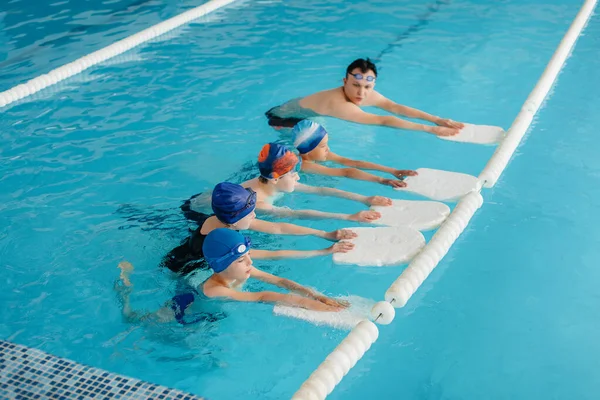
column 216, row 243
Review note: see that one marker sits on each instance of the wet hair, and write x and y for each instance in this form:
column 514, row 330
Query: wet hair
column 363, row 65
column 262, row 179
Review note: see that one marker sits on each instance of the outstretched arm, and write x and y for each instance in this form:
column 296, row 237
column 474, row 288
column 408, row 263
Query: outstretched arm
column 270, row 297
column 325, row 191
column 384, row 103
column 399, row 173
column 351, row 173
column 361, row 216
column 295, row 287
column 351, row 112
column 340, row 247
column 282, row 228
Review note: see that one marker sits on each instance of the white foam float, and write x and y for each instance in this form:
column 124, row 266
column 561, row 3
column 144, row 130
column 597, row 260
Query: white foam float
column 420, row 215
column 440, row 185
column 385, row 246
column 401, row 290
column 479, row 134
column 359, row 310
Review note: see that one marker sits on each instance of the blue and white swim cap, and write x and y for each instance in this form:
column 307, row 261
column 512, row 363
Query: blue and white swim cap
column 307, row 135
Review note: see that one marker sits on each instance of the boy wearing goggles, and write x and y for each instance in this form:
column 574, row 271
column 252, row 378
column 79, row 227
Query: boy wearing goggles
column 227, row 253
column 344, row 102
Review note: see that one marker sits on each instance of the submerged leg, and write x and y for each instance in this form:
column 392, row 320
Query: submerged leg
column 123, row 288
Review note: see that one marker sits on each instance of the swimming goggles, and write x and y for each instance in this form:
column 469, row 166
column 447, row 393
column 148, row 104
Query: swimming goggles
column 236, row 252
column 359, row 77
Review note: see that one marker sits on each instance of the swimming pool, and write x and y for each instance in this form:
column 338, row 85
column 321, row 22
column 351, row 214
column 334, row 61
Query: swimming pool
column 148, row 134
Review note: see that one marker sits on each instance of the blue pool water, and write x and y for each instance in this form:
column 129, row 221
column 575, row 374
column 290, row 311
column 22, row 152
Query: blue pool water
column 93, row 172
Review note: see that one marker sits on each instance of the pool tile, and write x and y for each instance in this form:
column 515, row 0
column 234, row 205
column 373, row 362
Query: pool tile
column 32, row 374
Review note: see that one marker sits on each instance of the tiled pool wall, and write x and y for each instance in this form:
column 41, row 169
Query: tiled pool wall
column 27, row 373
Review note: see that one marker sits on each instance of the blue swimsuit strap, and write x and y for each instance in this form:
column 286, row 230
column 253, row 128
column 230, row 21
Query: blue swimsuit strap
column 180, row 302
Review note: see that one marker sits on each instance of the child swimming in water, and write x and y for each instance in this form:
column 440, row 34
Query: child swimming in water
column 279, row 174
column 311, row 141
column 233, row 208
column 227, row 254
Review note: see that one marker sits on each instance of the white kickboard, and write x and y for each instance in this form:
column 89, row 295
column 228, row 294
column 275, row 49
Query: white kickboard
column 359, row 310
column 440, row 185
column 420, row 215
column 479, row 134
column 385, row 246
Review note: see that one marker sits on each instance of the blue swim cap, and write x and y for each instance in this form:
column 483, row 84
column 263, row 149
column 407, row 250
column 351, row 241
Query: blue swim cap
column 307, row 135
column 222, row 247
column 232, row 202
column 276, row 160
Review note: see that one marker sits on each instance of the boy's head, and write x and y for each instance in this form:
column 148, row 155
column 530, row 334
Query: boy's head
column 359, row 81
column 278, row 166
column 234, row 205
column 310, row 139
column 226, row 252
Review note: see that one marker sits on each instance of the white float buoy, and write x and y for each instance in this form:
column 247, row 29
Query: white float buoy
column 383, row 313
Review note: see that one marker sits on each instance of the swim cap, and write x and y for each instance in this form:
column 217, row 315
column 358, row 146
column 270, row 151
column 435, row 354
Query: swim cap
column 276, row 160
column 222, row 247
column 232, row 202
column 307, row 135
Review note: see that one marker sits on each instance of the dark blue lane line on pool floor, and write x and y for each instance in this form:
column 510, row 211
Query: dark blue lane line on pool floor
column 422, row 21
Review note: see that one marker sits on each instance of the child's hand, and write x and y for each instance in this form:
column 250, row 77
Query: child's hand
column 341, row 247
column 401, row 173
column 393, row 183
column 340, row 304
column 444, row 131
column 449, row 123
column 340, row 234
column 379, row 201
column 365, row 216
column 327, row 308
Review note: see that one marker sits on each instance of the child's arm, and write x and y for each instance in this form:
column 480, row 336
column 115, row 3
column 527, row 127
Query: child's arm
column 294, row 287
column 351, row 173
column 325, row 191
column 340, row 247
column 361, row 216
column 270, row 297
column 399, row 173
column 281, row 228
